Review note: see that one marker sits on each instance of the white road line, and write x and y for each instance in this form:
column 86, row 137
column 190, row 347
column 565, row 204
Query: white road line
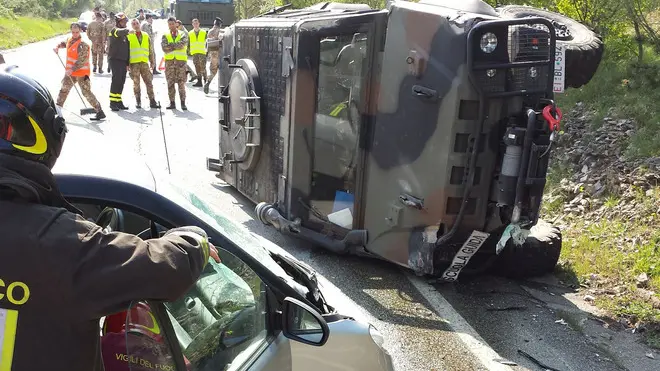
column 475, row 343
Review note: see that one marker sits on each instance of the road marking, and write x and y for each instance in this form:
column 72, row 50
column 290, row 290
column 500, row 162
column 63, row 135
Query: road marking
column 475, row 343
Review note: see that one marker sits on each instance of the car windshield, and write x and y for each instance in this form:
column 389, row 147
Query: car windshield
column 86, row 17
column 193, row 203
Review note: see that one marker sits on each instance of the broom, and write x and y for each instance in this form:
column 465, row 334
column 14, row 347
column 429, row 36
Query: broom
column 86, row 110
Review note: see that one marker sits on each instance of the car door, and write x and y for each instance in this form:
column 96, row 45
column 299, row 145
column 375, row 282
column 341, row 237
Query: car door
column 231, row 319
column 224, row 322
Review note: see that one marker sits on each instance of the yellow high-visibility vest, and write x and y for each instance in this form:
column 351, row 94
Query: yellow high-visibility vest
column 178, row 54
column 138, row 52
column 197, row 42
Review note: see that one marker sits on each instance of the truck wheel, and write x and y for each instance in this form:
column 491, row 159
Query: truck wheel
column 584, row 48
column 537, row 256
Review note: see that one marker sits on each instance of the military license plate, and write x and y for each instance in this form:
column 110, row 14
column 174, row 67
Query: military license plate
column 560, row 69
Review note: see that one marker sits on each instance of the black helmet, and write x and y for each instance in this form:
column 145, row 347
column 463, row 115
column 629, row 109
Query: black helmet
column 31, row 125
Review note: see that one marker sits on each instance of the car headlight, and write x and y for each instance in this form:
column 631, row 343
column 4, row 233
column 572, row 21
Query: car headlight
column 376, row 336
column 488, row 42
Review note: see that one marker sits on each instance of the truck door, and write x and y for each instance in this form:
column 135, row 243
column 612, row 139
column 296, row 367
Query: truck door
column 328, row 142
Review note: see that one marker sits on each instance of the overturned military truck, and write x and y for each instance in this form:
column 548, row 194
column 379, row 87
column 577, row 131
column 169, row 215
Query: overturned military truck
column 420, row 134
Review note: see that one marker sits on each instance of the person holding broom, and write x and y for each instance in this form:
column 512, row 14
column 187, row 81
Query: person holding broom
column 77, row 70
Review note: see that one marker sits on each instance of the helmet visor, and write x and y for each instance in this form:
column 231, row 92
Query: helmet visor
column 16, row 126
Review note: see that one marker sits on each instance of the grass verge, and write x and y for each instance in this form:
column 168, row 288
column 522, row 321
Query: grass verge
column 18, row 31
column 625, row 89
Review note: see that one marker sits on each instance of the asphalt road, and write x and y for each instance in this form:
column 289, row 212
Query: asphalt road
column 422, row 329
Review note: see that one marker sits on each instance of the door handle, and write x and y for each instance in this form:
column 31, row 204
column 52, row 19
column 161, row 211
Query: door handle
column 424, row 92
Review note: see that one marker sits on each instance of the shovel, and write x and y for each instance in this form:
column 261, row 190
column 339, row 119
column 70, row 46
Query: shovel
column 86, row 110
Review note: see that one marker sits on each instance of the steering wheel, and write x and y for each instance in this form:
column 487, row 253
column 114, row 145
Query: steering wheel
column 111, row 219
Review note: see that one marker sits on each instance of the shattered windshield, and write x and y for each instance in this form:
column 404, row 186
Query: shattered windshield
column 209, row 214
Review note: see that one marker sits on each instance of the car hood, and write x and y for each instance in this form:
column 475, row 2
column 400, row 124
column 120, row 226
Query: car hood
column 88, row 152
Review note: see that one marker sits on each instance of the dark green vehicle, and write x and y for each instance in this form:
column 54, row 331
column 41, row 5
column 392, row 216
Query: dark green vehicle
column 206, row 11
column 420, row 134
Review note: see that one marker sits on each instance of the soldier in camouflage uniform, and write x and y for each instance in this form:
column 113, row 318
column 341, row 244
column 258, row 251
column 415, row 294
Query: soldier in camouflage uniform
column 197, row 40
column 174, row 45
column 147, row 27
column 77, row 70
column 96, row 33
column 109, row 25
column 138, row 67
column 214, row 45
column 189, row 70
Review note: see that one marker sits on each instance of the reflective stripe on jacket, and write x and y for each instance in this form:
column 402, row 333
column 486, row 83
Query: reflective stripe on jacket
column 178, row 54
column 197, row 42
column 72, row 57
column 139, row 52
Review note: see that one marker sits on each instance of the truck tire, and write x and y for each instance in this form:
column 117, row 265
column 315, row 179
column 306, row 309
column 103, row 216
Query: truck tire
column 584, row 48
column 537, row 256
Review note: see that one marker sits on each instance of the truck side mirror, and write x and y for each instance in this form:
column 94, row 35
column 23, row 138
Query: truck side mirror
column 302, row 323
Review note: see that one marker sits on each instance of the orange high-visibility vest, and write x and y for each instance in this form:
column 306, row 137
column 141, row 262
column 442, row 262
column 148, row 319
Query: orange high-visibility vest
column 72, row 57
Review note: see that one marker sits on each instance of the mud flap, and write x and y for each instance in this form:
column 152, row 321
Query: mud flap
column 463, row 256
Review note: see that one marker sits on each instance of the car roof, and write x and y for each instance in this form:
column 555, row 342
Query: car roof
column 119, row 162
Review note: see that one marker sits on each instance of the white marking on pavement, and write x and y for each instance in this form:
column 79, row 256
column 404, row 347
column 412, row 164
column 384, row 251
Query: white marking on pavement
column 475, row 343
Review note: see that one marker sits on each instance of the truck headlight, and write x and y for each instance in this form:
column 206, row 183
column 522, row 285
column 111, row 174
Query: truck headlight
column 488, row 42
column 376, row 336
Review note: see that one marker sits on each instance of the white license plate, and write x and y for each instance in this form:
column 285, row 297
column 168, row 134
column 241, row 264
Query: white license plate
column 560, row 69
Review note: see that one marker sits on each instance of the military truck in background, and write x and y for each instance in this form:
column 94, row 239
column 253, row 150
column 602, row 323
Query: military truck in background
column 206, row 11
column 420, row 134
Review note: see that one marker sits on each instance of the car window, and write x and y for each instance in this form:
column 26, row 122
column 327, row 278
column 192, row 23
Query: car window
column 218, row 324
column 221, row 316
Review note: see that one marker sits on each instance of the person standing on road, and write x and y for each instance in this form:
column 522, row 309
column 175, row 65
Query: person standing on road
column 77, row 70
column 109, row 24
column 61, row 273
column 214, row 45
column 174, row 46
column 96, row 33
column 197, row 39
column 189, row 70
column 147, row 27
column 140, row 15
column 141, row 57
column 118, row 56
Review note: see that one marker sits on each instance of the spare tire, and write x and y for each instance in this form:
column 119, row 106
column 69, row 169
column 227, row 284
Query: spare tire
column 584, row 48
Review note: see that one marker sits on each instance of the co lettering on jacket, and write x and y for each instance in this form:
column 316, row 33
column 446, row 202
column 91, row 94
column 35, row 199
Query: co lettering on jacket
column 16, row 293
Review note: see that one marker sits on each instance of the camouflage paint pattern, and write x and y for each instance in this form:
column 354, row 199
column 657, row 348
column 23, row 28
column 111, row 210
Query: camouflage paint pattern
column 141, row 70
column 412, row 161
column 175, row 74
column 85, row 89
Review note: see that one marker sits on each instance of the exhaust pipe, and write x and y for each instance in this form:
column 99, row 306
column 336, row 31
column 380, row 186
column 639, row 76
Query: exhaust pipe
column 268, row 214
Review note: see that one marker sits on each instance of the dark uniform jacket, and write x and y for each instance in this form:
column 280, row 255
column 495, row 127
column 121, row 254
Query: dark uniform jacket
column 118, row 47
column 60, row 273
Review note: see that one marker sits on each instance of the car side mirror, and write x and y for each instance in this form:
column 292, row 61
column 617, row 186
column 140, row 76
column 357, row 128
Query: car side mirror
column 302, row 323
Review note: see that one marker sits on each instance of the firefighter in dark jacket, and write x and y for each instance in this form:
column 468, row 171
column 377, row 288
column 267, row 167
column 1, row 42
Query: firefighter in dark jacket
column 118, row 59
column 60, row 273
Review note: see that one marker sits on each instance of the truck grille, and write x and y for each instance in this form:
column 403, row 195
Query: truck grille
column 521, row 62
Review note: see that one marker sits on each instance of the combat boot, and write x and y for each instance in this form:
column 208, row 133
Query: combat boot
column 114, row 107
column 206, row 87
column 171, row 106
column 121, row 106
column 138, row 104
column 153, row 104
column 183, row 105
column 94, row 70
column 199, row 82
column 100, row 115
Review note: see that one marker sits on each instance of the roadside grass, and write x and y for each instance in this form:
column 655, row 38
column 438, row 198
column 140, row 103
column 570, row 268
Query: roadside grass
column 624, row 89
column 18, row 31
column 608, row 255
